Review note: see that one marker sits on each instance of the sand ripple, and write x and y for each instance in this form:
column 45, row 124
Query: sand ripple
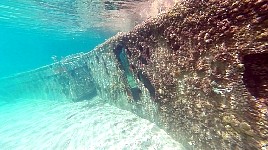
column 40, row 124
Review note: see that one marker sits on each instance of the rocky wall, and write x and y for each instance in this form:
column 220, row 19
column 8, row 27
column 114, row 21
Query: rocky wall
column 206, row 65
column 114, row 81
column 68, row 79
column 199, row 72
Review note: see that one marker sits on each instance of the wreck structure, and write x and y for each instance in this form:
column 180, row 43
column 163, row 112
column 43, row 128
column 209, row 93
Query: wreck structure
column 200, row 72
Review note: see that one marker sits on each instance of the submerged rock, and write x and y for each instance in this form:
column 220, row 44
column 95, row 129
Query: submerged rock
column 201, row 70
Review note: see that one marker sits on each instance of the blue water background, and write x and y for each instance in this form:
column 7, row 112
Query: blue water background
column 22, row 51
column 31, row 32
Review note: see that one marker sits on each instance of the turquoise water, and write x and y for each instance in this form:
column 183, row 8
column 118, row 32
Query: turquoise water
column 35, row 33
column 22, row 51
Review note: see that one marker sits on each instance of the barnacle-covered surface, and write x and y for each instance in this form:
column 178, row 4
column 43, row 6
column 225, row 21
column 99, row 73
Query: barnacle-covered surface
column 207, row 61
column 114, row 81
column 199, row 71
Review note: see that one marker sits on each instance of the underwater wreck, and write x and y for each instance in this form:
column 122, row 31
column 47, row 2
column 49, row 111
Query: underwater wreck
column 199, row 71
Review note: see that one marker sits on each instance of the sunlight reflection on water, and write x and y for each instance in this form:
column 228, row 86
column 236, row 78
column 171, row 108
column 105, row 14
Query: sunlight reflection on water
column 76, row 16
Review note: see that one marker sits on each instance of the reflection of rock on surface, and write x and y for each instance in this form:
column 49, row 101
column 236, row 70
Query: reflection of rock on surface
column 155, row 7
column 120, row 15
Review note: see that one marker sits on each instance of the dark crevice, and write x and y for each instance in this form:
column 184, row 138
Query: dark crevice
column 146, row 82
column 121, row 55
column 255, row 76
column 140, row 48
column 143, row 60
column 147, row 52
column 117, row 51
column 97, row 58
column 136, row 92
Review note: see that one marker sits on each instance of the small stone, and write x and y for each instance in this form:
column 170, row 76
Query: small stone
column 160, row 91
column 240, row 65
column 244, row 126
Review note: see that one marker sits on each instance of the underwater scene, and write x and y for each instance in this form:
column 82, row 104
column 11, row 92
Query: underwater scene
column 134, row 75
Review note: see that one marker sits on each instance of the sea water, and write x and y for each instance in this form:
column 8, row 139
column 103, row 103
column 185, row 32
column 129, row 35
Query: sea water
column 36, row 33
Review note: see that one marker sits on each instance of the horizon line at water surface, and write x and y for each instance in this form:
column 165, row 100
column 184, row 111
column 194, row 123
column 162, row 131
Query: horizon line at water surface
column 29, row 42
column 34, row 31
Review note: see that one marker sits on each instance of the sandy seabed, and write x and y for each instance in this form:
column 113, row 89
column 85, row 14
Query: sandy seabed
column 86, row 125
